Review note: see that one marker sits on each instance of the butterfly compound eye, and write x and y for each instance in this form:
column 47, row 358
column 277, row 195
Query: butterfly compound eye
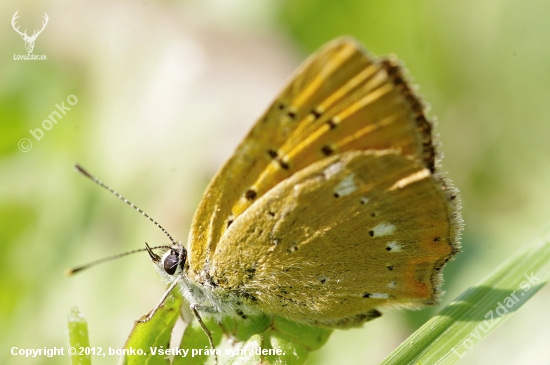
column 170, row 264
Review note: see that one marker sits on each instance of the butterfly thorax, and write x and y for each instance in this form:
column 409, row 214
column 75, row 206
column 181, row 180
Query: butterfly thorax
column 201, row 291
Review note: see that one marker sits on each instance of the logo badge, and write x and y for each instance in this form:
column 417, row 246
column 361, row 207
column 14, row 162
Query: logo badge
column 29, row 40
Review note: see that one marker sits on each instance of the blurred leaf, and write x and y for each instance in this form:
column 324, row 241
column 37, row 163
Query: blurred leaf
column 478, row 311
column 314, row 22
column 15, row 220
column 154, row 334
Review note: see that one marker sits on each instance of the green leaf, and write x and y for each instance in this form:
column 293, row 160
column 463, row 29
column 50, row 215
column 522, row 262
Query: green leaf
column 78, row 337
column 154, row 334
column 449, row 335
column 257, row 340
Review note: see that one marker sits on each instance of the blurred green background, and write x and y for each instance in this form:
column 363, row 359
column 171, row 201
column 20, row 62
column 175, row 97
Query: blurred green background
column 166, row 90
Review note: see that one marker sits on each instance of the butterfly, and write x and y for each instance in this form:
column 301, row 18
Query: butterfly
column 332, row 208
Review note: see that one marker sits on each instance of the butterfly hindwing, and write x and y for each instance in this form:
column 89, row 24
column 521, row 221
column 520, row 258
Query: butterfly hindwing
column 346, row 235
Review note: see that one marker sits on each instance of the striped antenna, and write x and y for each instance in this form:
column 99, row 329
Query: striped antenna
column 98, row 182
column 70, row 272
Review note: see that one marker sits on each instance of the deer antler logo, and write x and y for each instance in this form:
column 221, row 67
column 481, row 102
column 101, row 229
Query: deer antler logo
column 29, row 41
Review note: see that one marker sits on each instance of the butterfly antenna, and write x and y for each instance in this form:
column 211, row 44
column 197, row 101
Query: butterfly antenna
column 70, row 272
column 100, row 183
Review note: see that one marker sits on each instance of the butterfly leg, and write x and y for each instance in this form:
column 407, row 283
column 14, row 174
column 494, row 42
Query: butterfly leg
column 205, row 308
column 162, row 300
column 195, row 309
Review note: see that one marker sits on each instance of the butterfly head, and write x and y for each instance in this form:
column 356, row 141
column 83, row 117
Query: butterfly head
column 171, row 262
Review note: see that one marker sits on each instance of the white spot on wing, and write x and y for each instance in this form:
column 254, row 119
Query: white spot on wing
column 383, row 229
column 394, row 246
column 333, row 169
column 364, row 200
column 412, row 178
column 346, row 186
column 392, row 285
column 379, row 296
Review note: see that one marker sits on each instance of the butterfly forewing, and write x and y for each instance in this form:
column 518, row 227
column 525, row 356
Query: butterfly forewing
column 339, row 100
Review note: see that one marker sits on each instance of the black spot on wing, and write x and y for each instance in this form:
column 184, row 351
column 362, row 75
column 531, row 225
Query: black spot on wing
column 316, row 114
column 281, row 163
column 327, row 150
column 250, row 194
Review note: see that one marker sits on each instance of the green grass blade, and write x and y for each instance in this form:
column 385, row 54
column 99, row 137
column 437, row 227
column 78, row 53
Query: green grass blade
column 449, row 335
column 78, row 338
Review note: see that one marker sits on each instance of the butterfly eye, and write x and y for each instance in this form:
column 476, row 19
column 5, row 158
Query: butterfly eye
column 170, row 264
